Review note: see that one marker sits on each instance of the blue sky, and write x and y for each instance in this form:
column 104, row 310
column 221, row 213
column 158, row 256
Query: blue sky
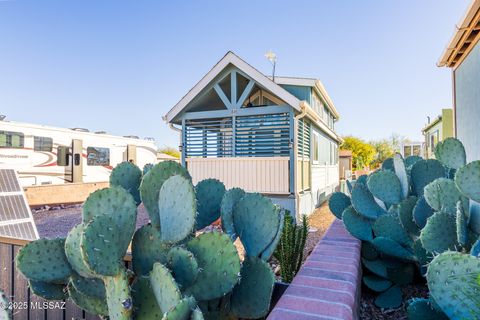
column 119, row 66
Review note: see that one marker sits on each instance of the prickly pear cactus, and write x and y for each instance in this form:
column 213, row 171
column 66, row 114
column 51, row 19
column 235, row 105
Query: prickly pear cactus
column 175, row 272
column 451, row 153
column 128, row 176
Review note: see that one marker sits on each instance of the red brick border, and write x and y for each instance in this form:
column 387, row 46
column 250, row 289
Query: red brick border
column 328, row 284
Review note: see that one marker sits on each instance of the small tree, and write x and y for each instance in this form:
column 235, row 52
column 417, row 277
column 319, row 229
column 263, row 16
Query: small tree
column 384, row 150
column 170, row 151
column 363, row 153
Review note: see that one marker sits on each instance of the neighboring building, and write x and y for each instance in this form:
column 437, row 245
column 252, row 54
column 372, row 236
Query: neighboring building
column 273, row 137
column 411, row 149
column 437, row 130
column 346, row 164
column 463, row 56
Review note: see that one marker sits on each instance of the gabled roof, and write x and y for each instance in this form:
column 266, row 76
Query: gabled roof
column 465, row 37
column 316, row 84
column 232, row 59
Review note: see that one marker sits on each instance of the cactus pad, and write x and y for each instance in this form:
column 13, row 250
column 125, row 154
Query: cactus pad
column 401, row 172
column 337, row 203
column 422, row 255
column 385, row 185
column 90, row 304
column 453, row 282
column 421, row 212
column 146, row 306
column 251, row 297
column 47, row 290
column 442, row 195
column 113, row 201
column 357, row 225
column 219, row 265
column 119, row 299
column 405, row 212
column 388, row 164
column 392, row 298
column 390, row 226
column 105, row 243
column 44, row 260
column 368, row 251
column 74, row 253
column 475, row 251
column 268, row 252
column 392, row 248
column 182, row 310
column 153, row 181
column 197, row 314
column 440, row 233
column 364, row 203
column 164, row 287
column 451, row 153
column 88, row 286
column 411, row 160
column 256, row 221
column 209, row 193
column 462, row 225
column 377, row 267
column 177, row 208
column 147, row 168
column 421, row 309
column 362, row 179
column 128, row 176
column 423, row 172
column 376, row 283
column 229, row 201
column 401, row 275
column 184, row 266
column 148, row 248
column 467, row 179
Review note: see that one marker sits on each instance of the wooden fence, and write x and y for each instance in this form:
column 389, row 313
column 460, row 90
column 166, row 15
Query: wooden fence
column 26, row 305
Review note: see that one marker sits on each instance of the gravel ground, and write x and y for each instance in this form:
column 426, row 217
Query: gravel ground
column 368, row 310
column 55, row 222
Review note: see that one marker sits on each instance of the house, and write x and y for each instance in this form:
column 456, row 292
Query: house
column 462, row 55
column 437, row 130
column 275, row 137
column 409, row 148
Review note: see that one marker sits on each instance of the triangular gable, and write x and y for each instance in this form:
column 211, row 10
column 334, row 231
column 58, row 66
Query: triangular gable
column 231, row 59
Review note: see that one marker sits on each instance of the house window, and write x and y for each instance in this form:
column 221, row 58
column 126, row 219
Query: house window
column 416, row 150
column 407, row 151
column 10, row 139
column 97, row 156
column 315, row 145
column 42, row 144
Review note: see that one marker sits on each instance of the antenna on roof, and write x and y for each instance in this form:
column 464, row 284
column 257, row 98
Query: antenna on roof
column 272, row 57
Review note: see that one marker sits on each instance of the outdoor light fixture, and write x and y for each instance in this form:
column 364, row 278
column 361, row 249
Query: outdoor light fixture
column 272, row 57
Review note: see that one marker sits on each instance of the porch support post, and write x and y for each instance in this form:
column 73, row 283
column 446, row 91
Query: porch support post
column 234, row 133
column 183, row 141
column 292, row 153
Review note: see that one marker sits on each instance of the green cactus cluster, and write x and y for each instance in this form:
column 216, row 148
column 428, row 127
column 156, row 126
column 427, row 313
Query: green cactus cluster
column 413, row 216
column 179, row 272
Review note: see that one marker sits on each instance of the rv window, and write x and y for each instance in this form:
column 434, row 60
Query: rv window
column 10, row 139
column 42, row 144
column 63, row 159
column 98, row 156
column 315, row 148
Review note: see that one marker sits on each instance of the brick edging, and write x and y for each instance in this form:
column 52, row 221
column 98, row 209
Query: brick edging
column 328, row 284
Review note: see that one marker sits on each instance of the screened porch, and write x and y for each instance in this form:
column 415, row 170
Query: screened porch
column 247, row 149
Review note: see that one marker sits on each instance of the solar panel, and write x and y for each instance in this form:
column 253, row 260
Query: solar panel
column 16, row 220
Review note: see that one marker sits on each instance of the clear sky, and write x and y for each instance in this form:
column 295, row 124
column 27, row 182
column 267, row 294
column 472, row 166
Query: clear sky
column 119, row 66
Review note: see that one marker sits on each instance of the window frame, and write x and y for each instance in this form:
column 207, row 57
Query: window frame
column 42, row 140
column 89, row 151
column 315, row 148
column 21, row 136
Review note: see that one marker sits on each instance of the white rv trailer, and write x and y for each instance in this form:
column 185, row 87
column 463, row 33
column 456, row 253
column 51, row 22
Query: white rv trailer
column 48, row 155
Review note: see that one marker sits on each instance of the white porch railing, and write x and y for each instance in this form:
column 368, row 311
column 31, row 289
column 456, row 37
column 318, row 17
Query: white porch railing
column 269, row 175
